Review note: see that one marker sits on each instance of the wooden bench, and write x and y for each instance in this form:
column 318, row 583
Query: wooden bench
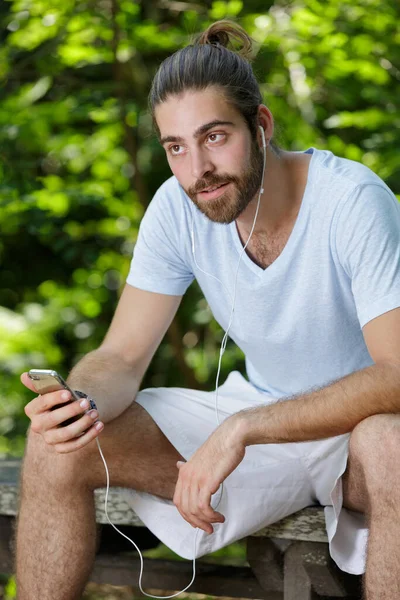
column 287, row 561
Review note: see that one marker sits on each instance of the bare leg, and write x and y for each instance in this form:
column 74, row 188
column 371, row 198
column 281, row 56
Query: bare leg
column 56, row 533
column 372, row 485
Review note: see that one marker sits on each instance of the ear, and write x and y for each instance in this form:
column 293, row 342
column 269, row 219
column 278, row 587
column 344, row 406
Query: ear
column 266, row 121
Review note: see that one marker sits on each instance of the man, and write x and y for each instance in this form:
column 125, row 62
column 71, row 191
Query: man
column 316, row 298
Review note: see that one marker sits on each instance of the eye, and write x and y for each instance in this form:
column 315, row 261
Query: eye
column 216, row 137
column 174, row 150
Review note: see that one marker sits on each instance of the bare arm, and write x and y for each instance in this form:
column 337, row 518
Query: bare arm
column 330, row 411
column 112, row 374
column 339, row 407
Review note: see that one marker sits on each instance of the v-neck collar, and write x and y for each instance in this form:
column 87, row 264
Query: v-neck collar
column 282, row 260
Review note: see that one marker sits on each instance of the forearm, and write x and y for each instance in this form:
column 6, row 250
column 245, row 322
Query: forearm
column 106, row 377
column 327, row 412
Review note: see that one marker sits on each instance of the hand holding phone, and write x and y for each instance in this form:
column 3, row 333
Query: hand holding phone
column 58, row 414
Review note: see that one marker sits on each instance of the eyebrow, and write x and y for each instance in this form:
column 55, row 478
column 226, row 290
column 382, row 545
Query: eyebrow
column 199, row 132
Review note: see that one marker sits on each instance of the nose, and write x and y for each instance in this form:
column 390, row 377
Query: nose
column 201, row 163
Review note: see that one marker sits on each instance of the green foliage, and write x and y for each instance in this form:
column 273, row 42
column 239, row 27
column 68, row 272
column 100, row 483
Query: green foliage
column 79, row 164
column 10, row 591
column 233, row 554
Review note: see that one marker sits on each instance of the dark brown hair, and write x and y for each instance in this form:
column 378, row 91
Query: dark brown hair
column 219, row 57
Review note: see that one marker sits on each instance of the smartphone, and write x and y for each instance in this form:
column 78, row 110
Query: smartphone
column 47, row 380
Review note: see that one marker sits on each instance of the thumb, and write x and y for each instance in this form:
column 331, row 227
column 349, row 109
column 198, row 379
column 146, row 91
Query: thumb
column 179, row 464
column 27, row 382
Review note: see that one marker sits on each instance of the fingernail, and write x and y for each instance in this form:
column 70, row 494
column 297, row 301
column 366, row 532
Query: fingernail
column 65, row 395
column 99, row 426
column 94, row 414
column 84, row 403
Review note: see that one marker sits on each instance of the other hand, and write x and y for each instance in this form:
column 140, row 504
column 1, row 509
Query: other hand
column 202, row 475
column 48, row 422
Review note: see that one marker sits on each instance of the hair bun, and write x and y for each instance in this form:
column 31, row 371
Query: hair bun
column 219, row 37
column 228, row 34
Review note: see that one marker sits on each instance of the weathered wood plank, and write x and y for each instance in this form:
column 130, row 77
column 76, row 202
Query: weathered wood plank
column 217, row 580
column 310, row 573
column 124, row 569
column 266, row 561
column 306, row 525
column 118, row 510
column 326, row 577
column 297, row 583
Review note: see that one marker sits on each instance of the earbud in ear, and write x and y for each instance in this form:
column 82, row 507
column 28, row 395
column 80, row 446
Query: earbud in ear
column 262, row 136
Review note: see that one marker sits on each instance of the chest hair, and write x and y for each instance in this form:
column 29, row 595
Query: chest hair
column 264, row 248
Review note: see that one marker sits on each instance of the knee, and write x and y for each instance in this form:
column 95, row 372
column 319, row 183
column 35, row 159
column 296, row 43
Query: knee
column 375, row 444
column 42, row 463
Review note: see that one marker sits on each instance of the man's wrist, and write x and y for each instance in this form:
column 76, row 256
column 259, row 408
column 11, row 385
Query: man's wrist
column 248, row 427
column 239, row 428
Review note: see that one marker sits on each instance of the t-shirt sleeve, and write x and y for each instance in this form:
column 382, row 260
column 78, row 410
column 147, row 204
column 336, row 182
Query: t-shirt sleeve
column 368, row 247
column 158, row 264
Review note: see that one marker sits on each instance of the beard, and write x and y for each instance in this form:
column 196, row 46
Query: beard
column 230, row 205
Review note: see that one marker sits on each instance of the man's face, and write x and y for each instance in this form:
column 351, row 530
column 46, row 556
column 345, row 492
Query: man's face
column 208, row 144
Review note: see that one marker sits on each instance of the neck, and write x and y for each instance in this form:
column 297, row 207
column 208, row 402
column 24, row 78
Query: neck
column 284, row 183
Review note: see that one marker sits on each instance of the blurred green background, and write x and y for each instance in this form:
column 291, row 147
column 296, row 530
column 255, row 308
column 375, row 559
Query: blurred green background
column 79, row 162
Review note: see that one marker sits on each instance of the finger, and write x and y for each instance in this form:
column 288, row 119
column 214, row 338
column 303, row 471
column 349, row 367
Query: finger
column 199, row 524
column 196, row 515
column 210, row 514
column 44, row 414
column 55, row 418
column 80, row 442
column 181, row 496
column 59, row 435
column 184, row 507
column 37, row 408
column 192, row 501
column 180, row 501
column 53, row 399
column 27, row 382
column 194, row 521
column 44, row 403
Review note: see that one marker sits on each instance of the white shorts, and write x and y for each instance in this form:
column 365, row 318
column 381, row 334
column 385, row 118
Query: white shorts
column 272, row 482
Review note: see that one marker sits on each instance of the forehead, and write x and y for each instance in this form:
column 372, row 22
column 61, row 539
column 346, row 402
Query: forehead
column 184, row 113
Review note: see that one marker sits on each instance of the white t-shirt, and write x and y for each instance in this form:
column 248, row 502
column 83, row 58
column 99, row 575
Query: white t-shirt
column 298, row 321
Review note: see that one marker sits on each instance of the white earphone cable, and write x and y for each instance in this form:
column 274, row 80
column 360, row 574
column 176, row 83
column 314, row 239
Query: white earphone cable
column 136, row 547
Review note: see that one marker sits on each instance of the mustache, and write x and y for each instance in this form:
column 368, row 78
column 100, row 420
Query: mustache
column 201, row 184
